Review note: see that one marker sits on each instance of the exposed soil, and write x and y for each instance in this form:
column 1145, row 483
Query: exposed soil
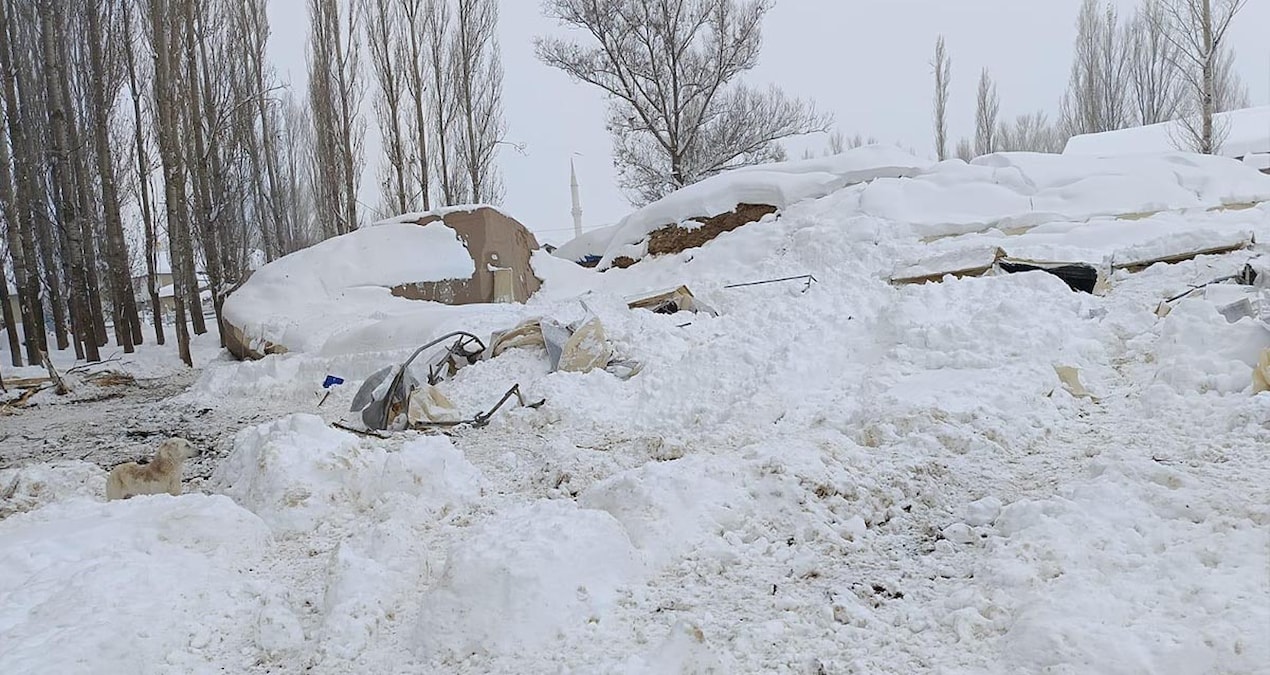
column 108, row 425
column 674, row 239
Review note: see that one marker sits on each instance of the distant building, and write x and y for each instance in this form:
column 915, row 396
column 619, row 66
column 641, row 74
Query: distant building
column 165, row 285
column 1246, row 138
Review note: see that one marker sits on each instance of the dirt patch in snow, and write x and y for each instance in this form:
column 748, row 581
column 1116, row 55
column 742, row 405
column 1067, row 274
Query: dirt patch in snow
column 110, row 425
column 675, row 239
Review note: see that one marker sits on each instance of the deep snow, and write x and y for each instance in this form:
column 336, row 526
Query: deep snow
column 857, row 477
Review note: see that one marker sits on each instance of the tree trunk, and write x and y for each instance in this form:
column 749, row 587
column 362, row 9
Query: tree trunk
column 168, row 124
column 62, row 175
column 217, row 253
column 346, row 82
column 199, row 171
column 57, row 302
column 143, row 180
column 127, row 323
column 22, row 95
column 1210, row 62
column 82, row 183
column 10, row 321
column 10, row 211
column 18, row 203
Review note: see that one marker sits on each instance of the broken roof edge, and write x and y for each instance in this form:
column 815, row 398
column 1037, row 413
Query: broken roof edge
column 439, row 214
column 958, row 263
column 1246, row 239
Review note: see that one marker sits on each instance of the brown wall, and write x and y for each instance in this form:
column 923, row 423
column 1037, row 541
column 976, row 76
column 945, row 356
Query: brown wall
column 493, row 240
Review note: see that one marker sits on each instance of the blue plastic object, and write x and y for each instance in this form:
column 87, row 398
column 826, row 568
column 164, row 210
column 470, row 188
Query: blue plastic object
column 331, row 381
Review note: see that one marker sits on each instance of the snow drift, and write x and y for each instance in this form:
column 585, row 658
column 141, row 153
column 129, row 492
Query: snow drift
column 300, row 300
column 1245, row 132
column 777, row 185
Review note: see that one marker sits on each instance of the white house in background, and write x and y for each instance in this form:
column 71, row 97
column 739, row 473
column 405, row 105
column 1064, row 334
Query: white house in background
column 162, row 277
column 1247, row 138
column 164, row 283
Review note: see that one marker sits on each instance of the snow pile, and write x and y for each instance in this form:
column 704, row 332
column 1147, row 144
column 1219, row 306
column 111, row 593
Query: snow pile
column 144, row 585
column 303, row 300
column 670, row 508
column 524, row 576
column 30, row 487
column 777, row 185
column 1098, row 241
column 1021, row 190
column 298, row 472
column 1199, row 351
column 1243, row 132
column 1142, row 568
column 1006, row 191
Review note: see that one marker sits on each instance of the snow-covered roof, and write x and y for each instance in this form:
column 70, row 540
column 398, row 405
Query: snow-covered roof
column 1004, row 190
column 780, row 184
column 440, row 212
column 300, row 299
column 590, row 243
column 1246, row 132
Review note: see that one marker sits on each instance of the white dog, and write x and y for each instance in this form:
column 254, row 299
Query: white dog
column 162, row 474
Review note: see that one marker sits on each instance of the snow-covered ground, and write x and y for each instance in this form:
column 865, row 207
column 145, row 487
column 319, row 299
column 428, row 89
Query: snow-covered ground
column 852, row 478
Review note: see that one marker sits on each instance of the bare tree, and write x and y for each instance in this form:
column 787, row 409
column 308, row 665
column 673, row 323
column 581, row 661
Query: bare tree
column 1156, row 88
column 383, row 25
column 335, row 96
column 837, row 143
column 988, row 108
column 478, row 79
column 670, row 67
column 13, row 245
column 1197, row 28
column 1229, row 90
column 276, row 218
column 1030, row 133
column 62, row 171
column 26, row 122
column 127, row 323
column 165, row 43
column 943, row 75
column 1097, row 97
column 143, row 175
column 295, row 183
column 16, row 199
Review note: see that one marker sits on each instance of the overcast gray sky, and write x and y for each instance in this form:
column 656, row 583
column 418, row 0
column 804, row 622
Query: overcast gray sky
column 865, row 61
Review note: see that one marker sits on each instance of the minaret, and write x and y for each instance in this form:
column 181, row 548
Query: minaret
column 577, row 201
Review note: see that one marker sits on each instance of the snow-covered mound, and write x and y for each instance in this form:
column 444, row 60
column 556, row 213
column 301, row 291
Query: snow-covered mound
column 304, row 299
column 1013, row 190
column 298, row 472
column 30, row 487
column 152, row 584
column 1004, row 191
column 777, row 185
column 1243, row 132
column 522, row 577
